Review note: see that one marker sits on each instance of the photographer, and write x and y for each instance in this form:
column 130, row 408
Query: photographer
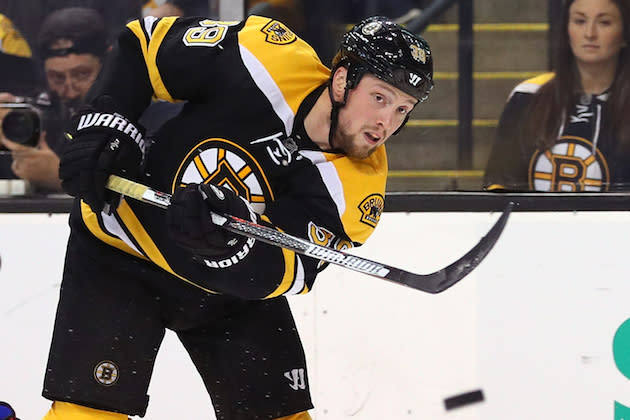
column 72, row 43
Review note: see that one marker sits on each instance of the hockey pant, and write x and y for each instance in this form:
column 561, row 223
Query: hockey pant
column 68, row 411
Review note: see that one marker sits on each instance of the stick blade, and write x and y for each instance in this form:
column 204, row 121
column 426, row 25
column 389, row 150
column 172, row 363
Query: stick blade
column 443, row 279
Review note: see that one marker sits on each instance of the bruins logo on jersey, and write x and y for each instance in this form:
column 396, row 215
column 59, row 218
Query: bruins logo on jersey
column 571, row 165
column 371, row 208
column 222, row 162
column 106, row 373
column 278, row 33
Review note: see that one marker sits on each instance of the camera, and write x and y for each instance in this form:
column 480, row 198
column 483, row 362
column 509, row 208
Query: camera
column 27, row 117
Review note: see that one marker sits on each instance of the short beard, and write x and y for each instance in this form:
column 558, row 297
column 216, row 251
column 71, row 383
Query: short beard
column 344, row 143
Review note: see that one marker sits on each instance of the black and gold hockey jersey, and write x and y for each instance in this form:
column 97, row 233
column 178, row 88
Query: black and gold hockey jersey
column 247, row 87
column 584, row 157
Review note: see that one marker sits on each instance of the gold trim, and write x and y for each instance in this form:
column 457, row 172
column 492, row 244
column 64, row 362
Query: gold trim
column 491, row 27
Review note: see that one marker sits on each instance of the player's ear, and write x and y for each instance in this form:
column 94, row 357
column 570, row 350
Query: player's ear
column 339, row 83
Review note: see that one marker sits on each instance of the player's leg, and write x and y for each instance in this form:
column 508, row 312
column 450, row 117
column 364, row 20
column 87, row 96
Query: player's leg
column 107, row 331
column 252, row 362
column 68, row 411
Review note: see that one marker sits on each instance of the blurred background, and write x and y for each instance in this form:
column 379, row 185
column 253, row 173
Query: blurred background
column 482, row 49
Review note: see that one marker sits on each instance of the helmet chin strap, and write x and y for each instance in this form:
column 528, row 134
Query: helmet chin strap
column 353, row 77
column 334, row 112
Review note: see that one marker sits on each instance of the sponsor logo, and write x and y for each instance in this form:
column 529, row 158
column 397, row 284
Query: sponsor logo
column 621, row 341
column 371, row 28
column 281, row 150
column 347, row 260
column 371, row 209
column 234, row 259
column 114, row 121
column 277, row 33
column 106, row 373
column 296, row 378
column 583, row 114
column 414, row 79
column 572, row 165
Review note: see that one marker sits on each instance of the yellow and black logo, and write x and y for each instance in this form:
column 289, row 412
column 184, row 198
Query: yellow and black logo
column 106, row 373
column 418, row 53
column 222, row 162
column 571, row 165
column 278, row 33
column 371, row 209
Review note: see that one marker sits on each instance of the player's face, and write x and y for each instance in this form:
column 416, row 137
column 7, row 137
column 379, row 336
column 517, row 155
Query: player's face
column 72, row 75
column 595, row 32
column 374, row 110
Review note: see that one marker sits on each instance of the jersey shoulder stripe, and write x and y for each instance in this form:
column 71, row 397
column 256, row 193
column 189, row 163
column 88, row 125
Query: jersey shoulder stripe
column 287, row 60
column 532, row 85
column 357, row 187
column 150, row 35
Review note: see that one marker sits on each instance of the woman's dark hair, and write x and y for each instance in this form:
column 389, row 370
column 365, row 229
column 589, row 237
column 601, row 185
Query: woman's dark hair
column 556, row 98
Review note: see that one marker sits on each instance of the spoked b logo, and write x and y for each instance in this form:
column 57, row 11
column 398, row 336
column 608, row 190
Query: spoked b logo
column 106, row 373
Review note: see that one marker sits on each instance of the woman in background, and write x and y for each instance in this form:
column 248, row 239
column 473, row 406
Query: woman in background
column 570, row 130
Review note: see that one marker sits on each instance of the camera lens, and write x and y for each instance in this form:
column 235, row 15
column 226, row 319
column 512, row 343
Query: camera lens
column 22, row 126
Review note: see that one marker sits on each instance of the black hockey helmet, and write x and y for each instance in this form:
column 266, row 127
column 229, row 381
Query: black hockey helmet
column 378, row 46
column 385, row 49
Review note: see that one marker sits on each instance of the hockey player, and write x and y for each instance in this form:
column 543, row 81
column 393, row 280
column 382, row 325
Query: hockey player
column 268, row 133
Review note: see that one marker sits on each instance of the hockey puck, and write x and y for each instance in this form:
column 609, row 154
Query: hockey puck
column 466, row 398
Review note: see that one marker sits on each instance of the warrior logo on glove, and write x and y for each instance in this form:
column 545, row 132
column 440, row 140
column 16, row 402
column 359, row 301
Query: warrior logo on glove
column 100, row 142
column 115, row 121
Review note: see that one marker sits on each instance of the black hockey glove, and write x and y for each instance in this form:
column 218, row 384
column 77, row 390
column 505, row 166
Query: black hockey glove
column 98, row 143
column 191, row 227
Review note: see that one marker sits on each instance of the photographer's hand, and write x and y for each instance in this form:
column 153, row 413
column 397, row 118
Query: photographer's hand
column 5, row 97
column 38, row 165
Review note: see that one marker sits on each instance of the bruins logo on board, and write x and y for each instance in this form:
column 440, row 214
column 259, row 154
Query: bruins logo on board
column 570, row 165
column 106, row 373
column 371, row 209
column 278, row 33
column 222, row 162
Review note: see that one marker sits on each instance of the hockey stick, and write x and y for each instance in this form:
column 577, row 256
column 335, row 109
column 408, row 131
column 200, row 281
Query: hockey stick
column 435, row 282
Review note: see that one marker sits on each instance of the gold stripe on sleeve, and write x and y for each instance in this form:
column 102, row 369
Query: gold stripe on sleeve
column 289, row 270
column 91, row 222
column 138, row 232
column 150, row 50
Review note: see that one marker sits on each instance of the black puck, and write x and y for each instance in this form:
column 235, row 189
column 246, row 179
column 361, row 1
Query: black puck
column 466, row 398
